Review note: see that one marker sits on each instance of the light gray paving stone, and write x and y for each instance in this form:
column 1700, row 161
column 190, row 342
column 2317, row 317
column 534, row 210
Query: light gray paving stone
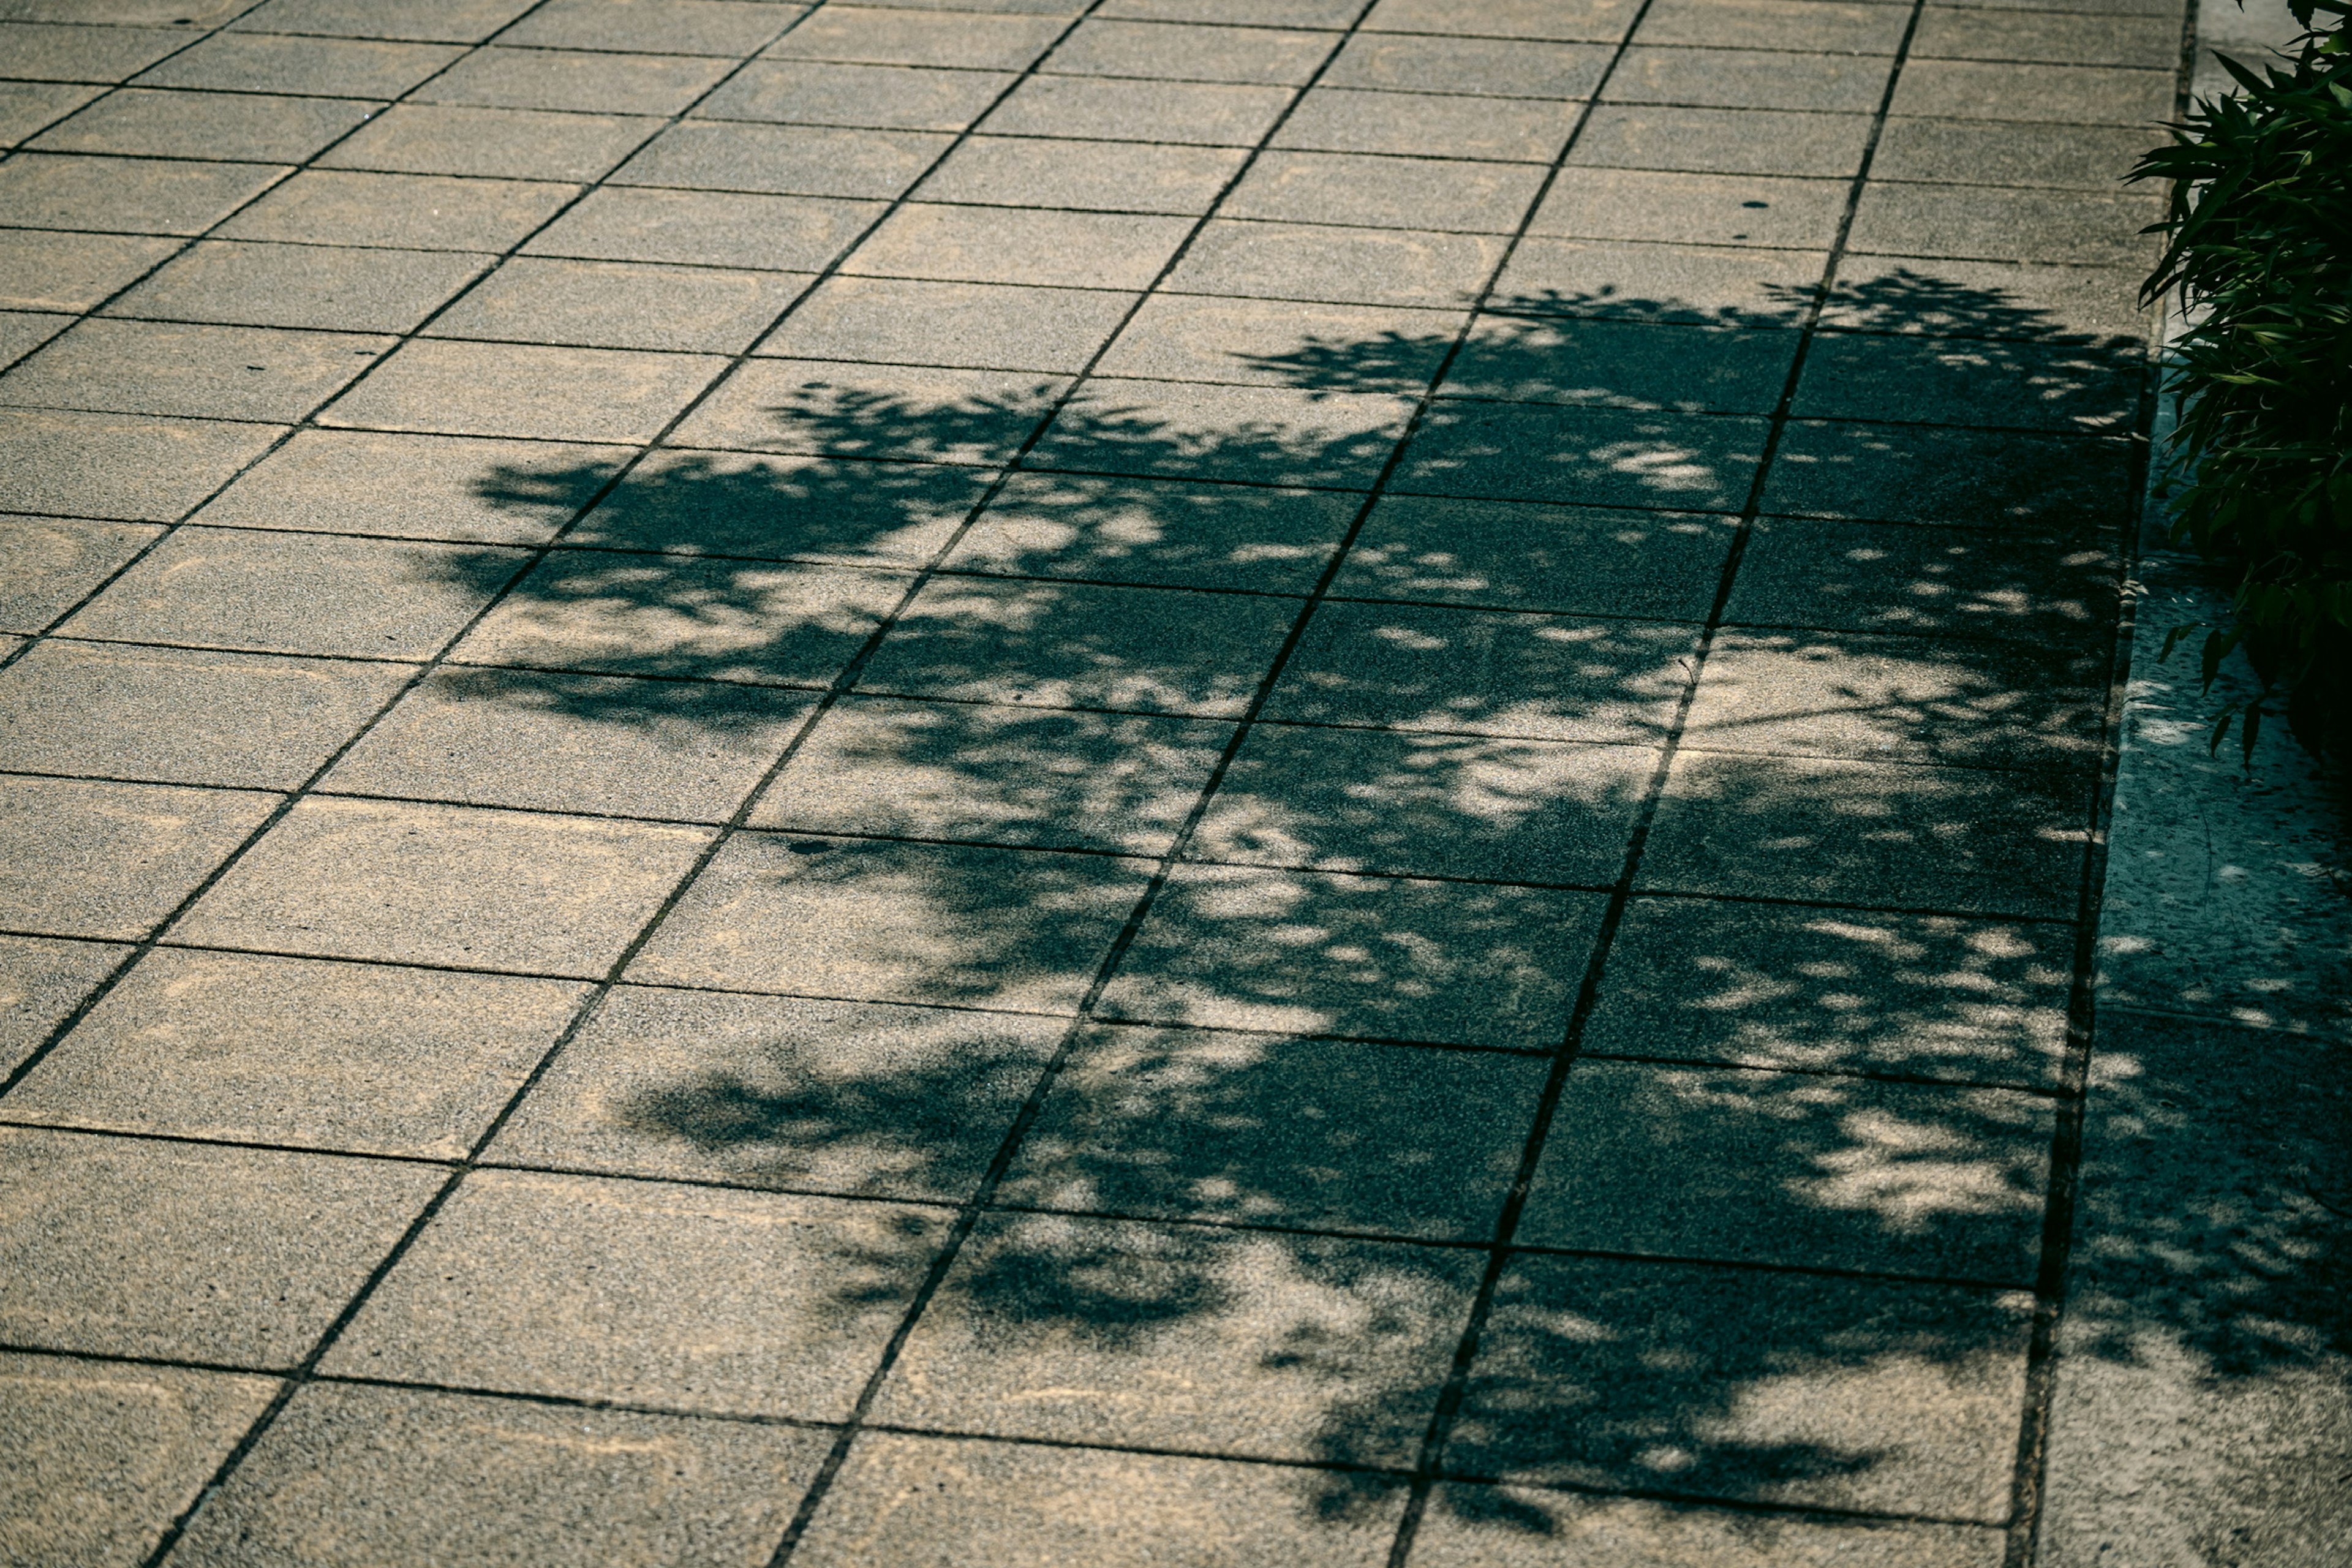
column 444, row 885
column 1342, row 119
column 1167, row 533
column 41, row 271
column 2150, row 41
column 1599, row 457
column 783, row 159
column 1163, row 1336
column 1988, row 299
column 1266, row 435
column 1387, row 192
column 130, row 1247
column 23, row 331
column 1590, row 21
column 1701, row 285
column 1809, row 24
column 1983, row 479
column 42, row 981
column 706, row 228
column 896, row 37
column 1326, row 14
column 337, row 68
column 490, row 143
column 349, row 1471
column 1522, row 1527
column 901, row 1499
column 232, row 126
column 686, row 750
column 1749, row 79
column 209, row 372
column 847, row 1097
column 741, row 1303
column 420, row 212
column 1614, row 364
column 990, row 244
column 452, row 21
column 1691, row 209
column 1377, row 957
column 293, row 592
column 424, row 487
column 1019, row 930
column 1860, row 576
column 980, row 325
column 1028, row 171
column 1296, row 261
column 112, row 1453
column 622, row 305
column 119, row 465
column 652, row 27
column 1512, row 555
column 783, row 507
column 516, row 389
column 1182, row 52
column 2065, row 94
column 1323, row 348
column 96, row 859
column 939, row 415
column 2073, row 157
column 127, row 196
column 888, row 98
column 320, row 287
column 1213, row 114
column 996, row 775
column 363, row 1058
column 583, row 81
column 1485, row 67
column 176, row 716
column 28, row 107
column 1829, row 990
column 1725, row 140
column 54, row 51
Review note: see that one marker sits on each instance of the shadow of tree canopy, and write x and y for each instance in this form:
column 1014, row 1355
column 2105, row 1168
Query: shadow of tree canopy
column 1406, row 854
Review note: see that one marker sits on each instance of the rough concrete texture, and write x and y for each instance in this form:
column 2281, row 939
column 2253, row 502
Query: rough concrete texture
column 1175, row 782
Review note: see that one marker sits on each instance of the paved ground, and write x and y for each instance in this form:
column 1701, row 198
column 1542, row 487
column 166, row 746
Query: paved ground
column 846, row 784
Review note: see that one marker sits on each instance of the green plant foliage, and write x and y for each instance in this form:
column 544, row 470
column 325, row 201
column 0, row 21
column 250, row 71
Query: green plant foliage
column 2260, row 243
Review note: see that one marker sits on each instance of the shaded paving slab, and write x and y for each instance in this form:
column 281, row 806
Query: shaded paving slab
column 1028, row 782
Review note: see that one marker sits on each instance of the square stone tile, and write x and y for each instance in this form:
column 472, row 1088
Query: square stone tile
column 1371, row 957
column 416, row 212
column 1623, row 364
column 53, row 561
column 579, row 80
column 177, row 716
column 2081, row 387
column 1191, row 53
column 892, row 36
column 1374, row 800
column 778, row 508
column 1908, row 699
column 235, row 127
column 652, row 27
column 2007, row 90
column 706, row 228
column 1991, row 478
column 1758, row 986
column 112, row 1454
column 664, row 616
column 425, row 487
column 359, row 1057
column 1374, row 267
column 1723, row 141
column 1109, row 177
column 1598, row 457
column 28, row 108
column 1808, row 24
column 747, row 1303
column 337, row 288
column 128, row 1247
column 119, row 465
column 207, row 371
column 1756, row 1387
column 127, row 196
column 1259, row 434
column 769, row 1091
column 1526, row 1527
column 64, row 52
column 1795, row 1168
column 2035, row 301
column 995, row 245
column 1691, row 209
column 686, row 750
column 784, row 160
column 1207, row 114
column 1329, row 348
column 513, row 389
column 335, row 67
column 1531, row 677
column 279, row 593
column 1948, row 33
column 934, row 416
column 1881, row 577
column 1161, row 532
column 491, row 143
column 622, row 305
column 885, row 98
column 899, row 1499
column 1514, row 556
column 1073, row 646
column 450, row 21
column 1184, row 1124
column 1914, row 838
column 1388, row 193
column 985, row 326
column 1599, row 21
column 995, row 776
column 408, row 1472
column 1975, row 151
column 1332, row 15
column 42, row 271
column 1277, row 1346
column 1435, row 125
column 1485, row 67
column 94, row 860
column 1702, row 286
column 1985, row 223
column 41, row 982
column 1749, row 79
column 446, row 885
column 23, row 331
column 1015, row 929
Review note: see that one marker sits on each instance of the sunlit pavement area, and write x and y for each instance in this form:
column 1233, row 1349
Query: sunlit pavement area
column 1193, row 782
